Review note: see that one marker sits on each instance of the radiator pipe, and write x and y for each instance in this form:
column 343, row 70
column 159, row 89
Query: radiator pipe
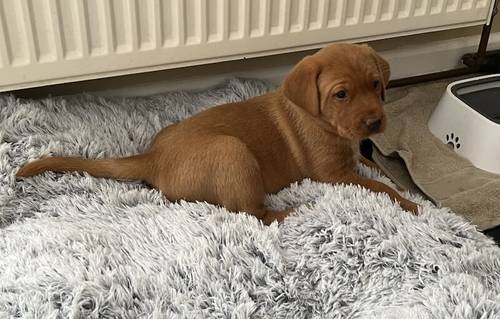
column 472, row 61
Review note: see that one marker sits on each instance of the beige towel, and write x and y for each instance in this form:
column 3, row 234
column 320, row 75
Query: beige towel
column 409, row 153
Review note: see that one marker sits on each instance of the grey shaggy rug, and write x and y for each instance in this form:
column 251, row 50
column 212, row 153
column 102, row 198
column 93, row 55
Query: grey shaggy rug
column 74, row 246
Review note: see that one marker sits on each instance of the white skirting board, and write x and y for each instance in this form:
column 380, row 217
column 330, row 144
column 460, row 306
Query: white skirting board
column 56, row 41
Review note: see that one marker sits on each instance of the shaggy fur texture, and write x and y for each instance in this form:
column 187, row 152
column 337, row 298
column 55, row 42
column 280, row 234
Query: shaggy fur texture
column 78, row 246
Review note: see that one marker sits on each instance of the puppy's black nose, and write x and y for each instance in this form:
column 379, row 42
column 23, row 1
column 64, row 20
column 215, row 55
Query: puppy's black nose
column 374, row 124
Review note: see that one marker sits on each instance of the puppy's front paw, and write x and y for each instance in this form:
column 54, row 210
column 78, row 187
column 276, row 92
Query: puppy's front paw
column 409, row 206
column 400, row 189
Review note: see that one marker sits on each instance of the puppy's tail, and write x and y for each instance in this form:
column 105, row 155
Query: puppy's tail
column 129, row 168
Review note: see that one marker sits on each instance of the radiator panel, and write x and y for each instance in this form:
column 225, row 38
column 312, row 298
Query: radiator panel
column 55, row 41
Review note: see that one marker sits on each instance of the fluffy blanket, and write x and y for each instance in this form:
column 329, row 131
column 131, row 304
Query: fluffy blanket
column 74, row 246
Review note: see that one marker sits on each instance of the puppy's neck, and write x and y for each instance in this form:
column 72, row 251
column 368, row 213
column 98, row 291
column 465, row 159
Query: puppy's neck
column 311, row 138
column 298, row 114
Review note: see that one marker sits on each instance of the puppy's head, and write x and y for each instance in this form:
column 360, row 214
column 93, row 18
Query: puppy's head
column 343, row 85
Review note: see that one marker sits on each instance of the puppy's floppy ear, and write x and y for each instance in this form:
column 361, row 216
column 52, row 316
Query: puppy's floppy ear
column 301, row 85
column 383, row 67
column 385, row 72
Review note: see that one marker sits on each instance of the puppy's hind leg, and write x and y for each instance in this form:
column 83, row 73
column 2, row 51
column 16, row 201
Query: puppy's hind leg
column 239, row 182
column 279, row 216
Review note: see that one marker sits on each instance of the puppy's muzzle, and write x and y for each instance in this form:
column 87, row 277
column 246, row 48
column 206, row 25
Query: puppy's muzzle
column 374, row 125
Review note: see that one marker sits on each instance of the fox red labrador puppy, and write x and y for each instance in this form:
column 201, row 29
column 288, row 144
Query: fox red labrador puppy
column 233, row 154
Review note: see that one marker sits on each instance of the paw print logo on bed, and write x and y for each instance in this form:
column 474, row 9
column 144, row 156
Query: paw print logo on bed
column 453, row 141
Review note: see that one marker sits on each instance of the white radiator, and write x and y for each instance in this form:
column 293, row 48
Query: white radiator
column 55, row 41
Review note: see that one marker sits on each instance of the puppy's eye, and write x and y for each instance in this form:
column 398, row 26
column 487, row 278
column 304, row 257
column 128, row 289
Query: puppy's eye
column 376, row 84
column 341, row 94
